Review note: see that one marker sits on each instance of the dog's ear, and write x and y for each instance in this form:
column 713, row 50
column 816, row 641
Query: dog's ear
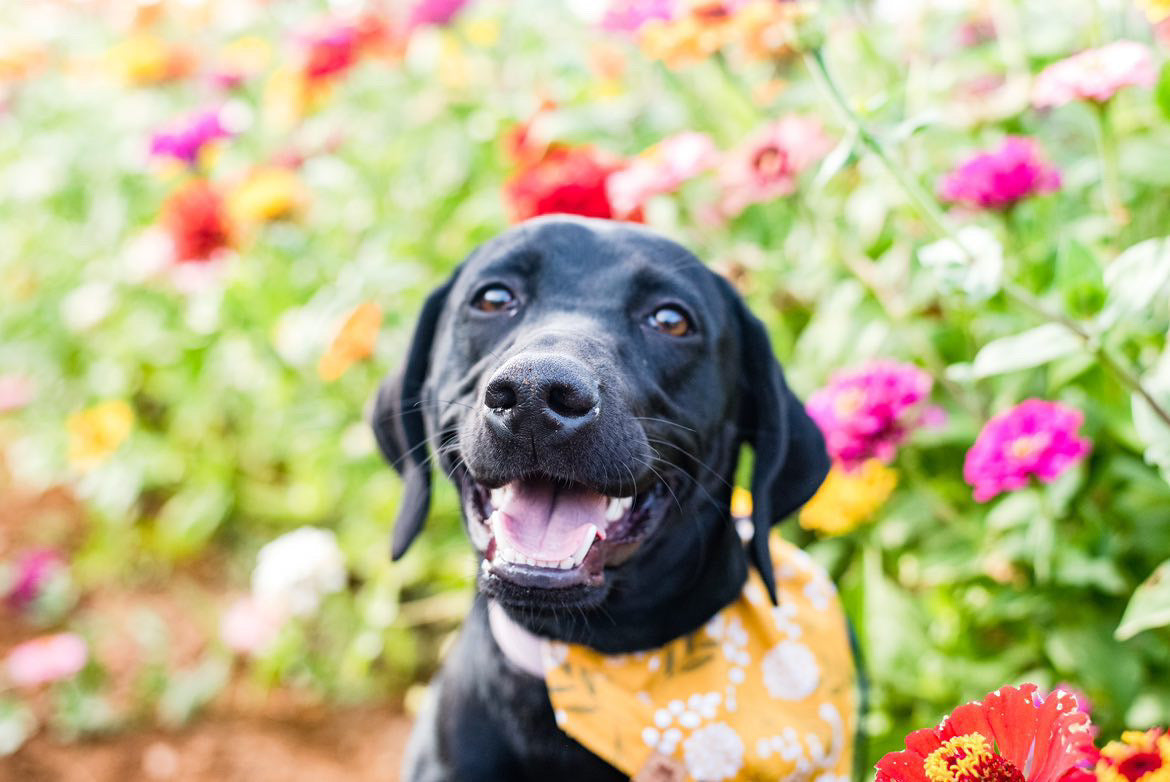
column 791, row 461
column 400, row 428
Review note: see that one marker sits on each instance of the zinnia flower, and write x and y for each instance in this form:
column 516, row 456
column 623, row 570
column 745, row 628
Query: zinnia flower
column 330, row 52
column 848, row 498
column 250, row 626
column 1002, row 177
column 185, row 141
column 95, row 434
column 1035, row 437
column 144, row 59
column 1012, row 735
column 354, row 342
column 1156, row 10
column 268, row 193
column 1095, row 75
column 1140, row 756
column 868, row 412
column 295, row 571
column 662, row 168
column 762, row 29
column 566, row 180
column 16, row 391
column 766, row 166
column 32, row 573
column 46, row 659
column 435, row 12
column 197, row 222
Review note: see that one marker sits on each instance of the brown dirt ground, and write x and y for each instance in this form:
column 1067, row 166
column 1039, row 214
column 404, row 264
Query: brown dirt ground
column 244, row 737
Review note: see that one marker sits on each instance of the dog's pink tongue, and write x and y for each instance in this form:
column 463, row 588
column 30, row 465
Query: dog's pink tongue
column 547, row 522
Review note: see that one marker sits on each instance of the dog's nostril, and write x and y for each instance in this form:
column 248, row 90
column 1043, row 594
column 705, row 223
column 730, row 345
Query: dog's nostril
column 500, row 395
column 570, row 401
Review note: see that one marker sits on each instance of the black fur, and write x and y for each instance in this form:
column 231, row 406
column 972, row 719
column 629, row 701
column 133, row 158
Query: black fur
column 673, row 410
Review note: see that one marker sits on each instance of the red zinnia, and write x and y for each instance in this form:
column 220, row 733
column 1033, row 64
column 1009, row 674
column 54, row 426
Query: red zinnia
column 1012, row 735
column 197, row 222
column 566, row 180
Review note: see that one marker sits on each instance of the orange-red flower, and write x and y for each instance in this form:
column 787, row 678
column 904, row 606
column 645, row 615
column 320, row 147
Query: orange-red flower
column 196, row 219
column 1140, row 756
column 354, row 342
column 1012, row 735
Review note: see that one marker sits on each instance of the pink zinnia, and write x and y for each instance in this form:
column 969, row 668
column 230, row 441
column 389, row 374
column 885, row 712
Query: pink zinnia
column 330, row 52
column 766, row 166
column 1000, row 178
column 437, row 12
column 16, row 392
column 628, row 16
column 46, row 659
column 1095, row 75
column 868, row 412
column 1012, row 735
column 33, row 572
column 249, row 626
column 186, row 140
column 662, row 168
column 1033, row 438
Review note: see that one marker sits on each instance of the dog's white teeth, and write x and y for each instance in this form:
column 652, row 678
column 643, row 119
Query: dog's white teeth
column 586, row 544
column 617, row 507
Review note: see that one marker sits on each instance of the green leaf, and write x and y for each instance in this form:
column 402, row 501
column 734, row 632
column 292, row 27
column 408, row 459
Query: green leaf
column 1028, row 349
column 1162, row 91
column 1135, row 279
column 1151, row 428
column 1149, row 606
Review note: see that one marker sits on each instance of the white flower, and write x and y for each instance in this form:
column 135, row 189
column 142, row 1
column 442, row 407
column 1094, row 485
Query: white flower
column 299, row 568
column 714, row 753
column 973, row 263
column 790, row 671
column 86, row 306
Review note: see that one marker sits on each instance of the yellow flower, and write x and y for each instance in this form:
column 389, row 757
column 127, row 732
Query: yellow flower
column 762, row 29
column 847, row 499
column 741, row 503
column 1156, row 10
column 354, row 342
column 145, row 59
column 269, row 193
column 95, row 434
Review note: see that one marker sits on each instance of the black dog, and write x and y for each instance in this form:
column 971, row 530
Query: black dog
column 596, row 382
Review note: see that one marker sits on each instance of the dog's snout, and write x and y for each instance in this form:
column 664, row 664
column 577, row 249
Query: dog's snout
column 544, row 391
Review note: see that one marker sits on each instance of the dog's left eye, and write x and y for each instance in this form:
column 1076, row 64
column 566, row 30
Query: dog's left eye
column 494, row 298
column 670, row 321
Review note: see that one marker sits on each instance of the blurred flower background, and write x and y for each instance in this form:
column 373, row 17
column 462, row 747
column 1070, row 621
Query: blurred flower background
column 219, row 218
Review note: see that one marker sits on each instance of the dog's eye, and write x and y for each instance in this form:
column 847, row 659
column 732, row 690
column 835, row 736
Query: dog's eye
column 670, row 321
column 494, row 298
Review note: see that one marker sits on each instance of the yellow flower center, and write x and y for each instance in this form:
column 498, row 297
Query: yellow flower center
column 969, row 758
column 848, row 402
column 1023, row 447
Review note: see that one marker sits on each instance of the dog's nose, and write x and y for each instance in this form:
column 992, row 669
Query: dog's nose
column 552, row 393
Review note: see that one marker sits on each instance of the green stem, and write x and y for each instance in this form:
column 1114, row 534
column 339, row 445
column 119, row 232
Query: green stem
column 936, row 220
column 1110, row 167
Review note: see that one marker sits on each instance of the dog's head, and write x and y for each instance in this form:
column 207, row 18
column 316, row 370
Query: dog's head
column 588, row 386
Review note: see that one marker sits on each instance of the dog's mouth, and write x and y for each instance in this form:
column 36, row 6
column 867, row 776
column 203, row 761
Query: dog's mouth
column 546, row 533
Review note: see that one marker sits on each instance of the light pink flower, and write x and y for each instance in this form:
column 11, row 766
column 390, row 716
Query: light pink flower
column 1001, row 177
column 436, row 12
column 628, row 16
column 1034, row 438
column 662, row 168
column 34, row 570
column 49, row 658
column 16, row 391
column 1095, row 75
column 249, row 626
column 868, row 412
column 765, row 167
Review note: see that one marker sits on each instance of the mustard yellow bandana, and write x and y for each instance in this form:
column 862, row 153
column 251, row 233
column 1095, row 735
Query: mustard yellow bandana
column 759, row 693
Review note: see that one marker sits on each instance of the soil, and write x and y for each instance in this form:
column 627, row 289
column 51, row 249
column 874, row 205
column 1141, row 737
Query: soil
column 245, row 735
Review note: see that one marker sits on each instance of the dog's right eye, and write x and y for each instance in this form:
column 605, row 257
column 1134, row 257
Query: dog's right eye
column 494, row 298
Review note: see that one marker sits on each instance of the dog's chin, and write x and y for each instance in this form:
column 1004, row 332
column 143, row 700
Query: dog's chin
column 548, row 544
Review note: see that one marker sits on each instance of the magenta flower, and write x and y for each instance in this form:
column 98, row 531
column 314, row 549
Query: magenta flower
column 437, row 12
column 1095, row 75
column 186, row 140
column 49, row 658
column 1002, row 177
column 34, row 570
column 1033, row 438
column 662, row 168
column 16, row 391
column 868, row 412
column 765, row 167
column 628, row 16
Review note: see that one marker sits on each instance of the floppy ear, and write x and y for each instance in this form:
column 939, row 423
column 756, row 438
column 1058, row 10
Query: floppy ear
column 400, row 428
column 791, row 461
